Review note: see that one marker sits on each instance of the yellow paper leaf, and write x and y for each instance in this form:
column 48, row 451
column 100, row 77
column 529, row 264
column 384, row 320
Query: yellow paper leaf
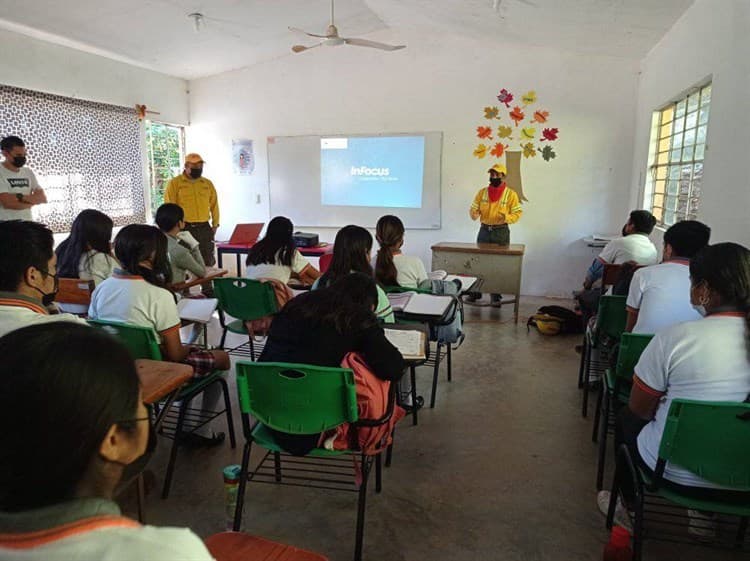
column 504, row 131
column 480, row 151
column 529, row 97
column 528, row 133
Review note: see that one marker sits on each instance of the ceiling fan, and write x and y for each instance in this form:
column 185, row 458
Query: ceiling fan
column 333, row 39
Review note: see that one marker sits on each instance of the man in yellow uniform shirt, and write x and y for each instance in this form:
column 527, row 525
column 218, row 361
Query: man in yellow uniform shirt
column 197, row 197
column 496, row 205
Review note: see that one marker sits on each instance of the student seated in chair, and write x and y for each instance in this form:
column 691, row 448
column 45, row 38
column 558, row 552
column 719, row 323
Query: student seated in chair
column 61, row 465
column 87, row 252
column 137, row 294
column 183, row 249
column 276, row 257
column 351, row 254
column 659, row 294
column 28, row 276
column 392, row 267
column 706, row 360
column 320, row 327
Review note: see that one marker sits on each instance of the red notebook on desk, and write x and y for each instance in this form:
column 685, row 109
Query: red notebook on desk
column 246, row 234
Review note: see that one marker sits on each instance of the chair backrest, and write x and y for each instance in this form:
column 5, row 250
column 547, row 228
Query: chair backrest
column 631, row 348
column 610, row 274
column 140, row 341
column 325, row 262
column 245, row 299
column 296, row 398
column 710, row 439
column 74, row 291
column 611, row 317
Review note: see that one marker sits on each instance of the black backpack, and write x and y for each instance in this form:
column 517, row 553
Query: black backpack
column 556, row 320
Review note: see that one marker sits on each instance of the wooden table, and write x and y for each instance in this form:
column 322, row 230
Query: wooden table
column 498, row 266
column 238, row 250
column 161, row 380
column 210, row 275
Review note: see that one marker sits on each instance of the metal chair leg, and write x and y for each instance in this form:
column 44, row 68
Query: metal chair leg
column 586, row 380
column 228, row 412
column 361, row 503
column 450, row 370
column 175, row 445
column 597, row 413
column 389, row 450
column 277, row 466
column 602, row 453
column 140, row 487
column 378, row 473
column 584, row 348
column 241, row 489
column 414, row 408
column 223, row 337
column 435, row 376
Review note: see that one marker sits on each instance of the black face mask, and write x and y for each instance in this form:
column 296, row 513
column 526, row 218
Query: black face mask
column 195, row 173
column 19, row 161
column 49, row 297
column 496, row 181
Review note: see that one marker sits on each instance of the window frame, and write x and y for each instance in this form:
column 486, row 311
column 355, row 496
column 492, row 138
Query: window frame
column 149, row 187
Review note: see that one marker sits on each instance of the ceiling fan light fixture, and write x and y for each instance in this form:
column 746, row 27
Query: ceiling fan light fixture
column 198, row 21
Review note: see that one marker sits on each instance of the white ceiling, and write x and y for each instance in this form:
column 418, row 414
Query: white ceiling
column 157, row 34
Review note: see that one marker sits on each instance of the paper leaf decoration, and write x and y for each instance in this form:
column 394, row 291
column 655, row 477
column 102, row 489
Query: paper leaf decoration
column 540, row 116
column 480, row 151
column 549, row 134
column 528, row 150
column 504, row 131
column 484, row 132
column 528, row 98
column 528, row 133
column 491, row 112
column 505, row 97
column 517, row 115
column 548, row 153
column 497, row 150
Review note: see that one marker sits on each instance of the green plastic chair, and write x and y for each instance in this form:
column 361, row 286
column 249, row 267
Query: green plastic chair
column 142, row 343
column 302, row 399
column 245, row 300
column 616, row 392
column 610, row 323
column 711, row 440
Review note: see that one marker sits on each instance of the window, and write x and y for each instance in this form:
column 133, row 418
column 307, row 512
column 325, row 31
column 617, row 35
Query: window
column 84, row 154
column 165, row 145
column 675, row 160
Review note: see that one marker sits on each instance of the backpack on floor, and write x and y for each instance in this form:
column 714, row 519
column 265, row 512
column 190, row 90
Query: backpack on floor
column 555, row 320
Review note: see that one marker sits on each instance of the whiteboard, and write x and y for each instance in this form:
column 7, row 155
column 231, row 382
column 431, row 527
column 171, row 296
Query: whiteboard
column 294, row 178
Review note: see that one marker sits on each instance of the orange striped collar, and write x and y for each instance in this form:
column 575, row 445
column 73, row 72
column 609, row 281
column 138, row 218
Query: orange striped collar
column 16, row 300
column 29, row 540
column 123, row 274
column 728, row 314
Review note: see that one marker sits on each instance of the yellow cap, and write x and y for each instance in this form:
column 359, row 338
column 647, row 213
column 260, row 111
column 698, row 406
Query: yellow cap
column 499, row 168
column 193, row 158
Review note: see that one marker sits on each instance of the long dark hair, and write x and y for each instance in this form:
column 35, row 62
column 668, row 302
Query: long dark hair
column 389, row 232
column 57, row 412
column 140, row 242
column 347, row 304
column 350, row 250
column 278, row 240
column 725, row 268
column 90, row 230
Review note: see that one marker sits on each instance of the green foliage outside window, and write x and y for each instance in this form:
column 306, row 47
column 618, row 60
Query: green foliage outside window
column 165, row 145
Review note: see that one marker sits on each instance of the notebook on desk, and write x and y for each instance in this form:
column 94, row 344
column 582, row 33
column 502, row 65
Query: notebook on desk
column 246, row 234
column 409, row 343
column 419, row 304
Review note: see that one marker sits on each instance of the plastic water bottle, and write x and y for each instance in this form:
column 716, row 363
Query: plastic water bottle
column 231, row 486
column 618, row 548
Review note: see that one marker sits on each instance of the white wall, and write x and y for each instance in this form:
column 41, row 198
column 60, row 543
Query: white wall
column 41, row 66
column 711, row 40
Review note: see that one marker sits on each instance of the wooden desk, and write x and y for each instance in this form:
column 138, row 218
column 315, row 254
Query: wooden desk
column 242, row 249
column 161, row 380
column 211, row 274
column 498, row 266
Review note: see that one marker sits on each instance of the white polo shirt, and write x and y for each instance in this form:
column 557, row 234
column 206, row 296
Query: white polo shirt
column 131, row 299
column 17, row 311
column 661, row 296
column 276, row 270
column 410, row 270
column 704, row 360
column 635, row 247
column 21, row 182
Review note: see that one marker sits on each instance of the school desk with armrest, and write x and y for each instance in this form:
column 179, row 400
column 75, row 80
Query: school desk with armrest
column 74, row 295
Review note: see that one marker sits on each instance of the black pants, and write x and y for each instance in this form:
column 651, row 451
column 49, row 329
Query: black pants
column 203, row 232
column 499, row 235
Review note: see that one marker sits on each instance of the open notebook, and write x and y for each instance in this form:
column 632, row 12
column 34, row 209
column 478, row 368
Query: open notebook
column 467, row 281
column 410, row 343
column 199, row 310
column 419, row 304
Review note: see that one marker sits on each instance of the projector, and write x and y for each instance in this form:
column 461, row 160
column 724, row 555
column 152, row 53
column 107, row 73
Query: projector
column 304, row 239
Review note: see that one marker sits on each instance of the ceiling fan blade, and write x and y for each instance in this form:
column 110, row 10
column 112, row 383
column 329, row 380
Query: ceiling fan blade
column 373, row 44
column 302, row 48
column 298, row 30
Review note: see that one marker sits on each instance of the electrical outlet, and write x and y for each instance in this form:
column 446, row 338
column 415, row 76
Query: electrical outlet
column 257, row 199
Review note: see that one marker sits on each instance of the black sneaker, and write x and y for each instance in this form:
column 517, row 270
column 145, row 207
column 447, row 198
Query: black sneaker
column 195, row 440
column 419, row 405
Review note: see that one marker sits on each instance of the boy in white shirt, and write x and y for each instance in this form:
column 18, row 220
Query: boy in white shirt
column 28, row 276
column 659, row 295
column 19, row 189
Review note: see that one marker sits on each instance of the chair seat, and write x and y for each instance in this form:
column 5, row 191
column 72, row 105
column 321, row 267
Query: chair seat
column 697, row 504
column 236, row 546
column 237, row 326
column 264, row 437
column 623, row 393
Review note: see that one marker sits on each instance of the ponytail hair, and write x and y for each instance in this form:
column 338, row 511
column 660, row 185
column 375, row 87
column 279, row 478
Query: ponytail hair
column 390, row 235
column 139, row 242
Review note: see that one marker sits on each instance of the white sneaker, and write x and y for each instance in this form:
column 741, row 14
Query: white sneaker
column 702, row 524
column 622, row 516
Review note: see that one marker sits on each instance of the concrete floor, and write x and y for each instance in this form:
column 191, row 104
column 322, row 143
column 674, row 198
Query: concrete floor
column 502, row 468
